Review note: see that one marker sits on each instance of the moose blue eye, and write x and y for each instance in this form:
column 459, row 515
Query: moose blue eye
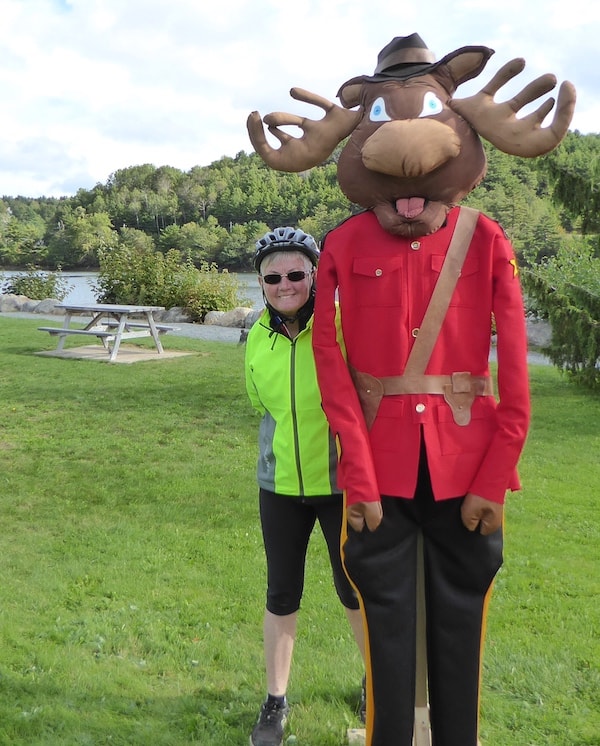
column 378, row 112
column 431, row 105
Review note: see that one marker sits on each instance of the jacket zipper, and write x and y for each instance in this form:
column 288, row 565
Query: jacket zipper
column 295, row 416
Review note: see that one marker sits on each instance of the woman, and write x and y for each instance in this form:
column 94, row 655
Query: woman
column 297, row 459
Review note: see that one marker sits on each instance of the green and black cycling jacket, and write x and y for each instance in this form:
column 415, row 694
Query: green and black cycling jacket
column 297, row 454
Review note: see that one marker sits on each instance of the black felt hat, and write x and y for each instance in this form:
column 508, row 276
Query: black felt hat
column 405, row 57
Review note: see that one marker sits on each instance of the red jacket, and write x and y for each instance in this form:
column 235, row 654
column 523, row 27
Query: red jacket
column 384, row 284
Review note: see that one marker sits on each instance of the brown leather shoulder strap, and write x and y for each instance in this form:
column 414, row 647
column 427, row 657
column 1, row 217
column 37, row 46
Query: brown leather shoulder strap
column 442, row 293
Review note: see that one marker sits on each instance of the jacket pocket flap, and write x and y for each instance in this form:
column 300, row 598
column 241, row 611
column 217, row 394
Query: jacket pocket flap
column 372, row 266
column 470, row 266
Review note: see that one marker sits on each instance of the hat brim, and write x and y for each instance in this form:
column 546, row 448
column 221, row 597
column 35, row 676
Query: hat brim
column 408, row 70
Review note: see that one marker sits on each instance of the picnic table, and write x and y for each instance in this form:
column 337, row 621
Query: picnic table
column 110, row 323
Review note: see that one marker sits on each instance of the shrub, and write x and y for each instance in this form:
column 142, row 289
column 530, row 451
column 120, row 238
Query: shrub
column 212, row 291
column 37, row 285
column 139, row 274
column 565, row 289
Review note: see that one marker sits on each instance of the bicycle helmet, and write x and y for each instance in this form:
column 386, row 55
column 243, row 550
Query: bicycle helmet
column 286, row 239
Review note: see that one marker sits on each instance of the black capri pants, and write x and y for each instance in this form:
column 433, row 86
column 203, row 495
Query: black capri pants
column 287, row 523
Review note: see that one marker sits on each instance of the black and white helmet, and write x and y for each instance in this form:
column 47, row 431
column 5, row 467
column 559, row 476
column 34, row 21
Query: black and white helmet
column 286, row 239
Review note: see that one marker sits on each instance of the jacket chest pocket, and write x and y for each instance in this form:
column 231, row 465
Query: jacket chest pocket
column 377, row 281
column 467, row 292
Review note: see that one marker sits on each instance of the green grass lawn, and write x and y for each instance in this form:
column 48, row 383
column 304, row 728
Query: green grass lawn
column 133, row 574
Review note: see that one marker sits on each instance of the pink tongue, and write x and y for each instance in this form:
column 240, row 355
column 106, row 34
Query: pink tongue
column 410, row 207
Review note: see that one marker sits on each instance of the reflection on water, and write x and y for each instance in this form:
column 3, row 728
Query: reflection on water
column 82, row 286
column 249, row 288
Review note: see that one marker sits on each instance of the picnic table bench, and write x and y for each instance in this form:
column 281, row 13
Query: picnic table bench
column 110, row 323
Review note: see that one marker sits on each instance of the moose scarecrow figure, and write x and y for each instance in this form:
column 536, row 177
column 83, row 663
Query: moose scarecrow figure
column 427, row 451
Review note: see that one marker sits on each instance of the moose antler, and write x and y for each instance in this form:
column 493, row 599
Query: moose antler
column 498, row 123
column 316, row 144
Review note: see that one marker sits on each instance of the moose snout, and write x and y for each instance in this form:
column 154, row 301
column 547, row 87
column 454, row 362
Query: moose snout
column 410, row 147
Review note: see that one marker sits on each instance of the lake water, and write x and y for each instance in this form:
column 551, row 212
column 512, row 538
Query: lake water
column 251, row 289
column 82, row 286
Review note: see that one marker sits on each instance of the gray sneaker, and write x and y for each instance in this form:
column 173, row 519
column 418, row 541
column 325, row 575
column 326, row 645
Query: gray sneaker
column 268, row 731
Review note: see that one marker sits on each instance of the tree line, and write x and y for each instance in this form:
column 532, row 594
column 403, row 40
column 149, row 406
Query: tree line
column 210, row 214
column 215, row 213
column 210, row 217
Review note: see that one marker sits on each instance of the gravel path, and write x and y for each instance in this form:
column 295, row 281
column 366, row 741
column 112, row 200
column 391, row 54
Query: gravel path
column 207, row 331
column 216, row 333
column 210, row 332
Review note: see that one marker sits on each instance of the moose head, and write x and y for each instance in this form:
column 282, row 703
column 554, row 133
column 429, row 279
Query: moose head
column 414, row 150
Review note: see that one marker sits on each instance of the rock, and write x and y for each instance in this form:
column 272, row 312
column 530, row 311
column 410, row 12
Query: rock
column 356, row 736
column 10, row 303
column 214, row 317
column 30, row 306
column 48, row 305
column 21, row 303
column 173, row 315
column 235, row 318
column 252, row 318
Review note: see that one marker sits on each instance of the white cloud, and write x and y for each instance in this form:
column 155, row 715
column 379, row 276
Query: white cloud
column 91, row 86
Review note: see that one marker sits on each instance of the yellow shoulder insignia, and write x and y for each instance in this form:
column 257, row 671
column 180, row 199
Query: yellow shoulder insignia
column 513, row 263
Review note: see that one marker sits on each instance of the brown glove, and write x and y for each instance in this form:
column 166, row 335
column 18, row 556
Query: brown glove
column 360, row 514
column 477, row 512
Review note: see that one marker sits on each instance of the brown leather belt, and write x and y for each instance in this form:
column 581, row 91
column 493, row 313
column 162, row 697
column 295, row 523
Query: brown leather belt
column 459, row 391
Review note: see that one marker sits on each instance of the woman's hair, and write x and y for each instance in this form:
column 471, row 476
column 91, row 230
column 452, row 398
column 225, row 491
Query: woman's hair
column 267, row 261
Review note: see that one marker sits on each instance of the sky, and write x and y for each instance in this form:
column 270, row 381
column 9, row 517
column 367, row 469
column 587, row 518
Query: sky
column 88, row 87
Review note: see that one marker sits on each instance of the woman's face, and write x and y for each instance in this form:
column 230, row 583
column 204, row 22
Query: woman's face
column 287, row 297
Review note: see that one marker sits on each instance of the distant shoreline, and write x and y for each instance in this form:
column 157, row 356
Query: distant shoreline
column 82, row 290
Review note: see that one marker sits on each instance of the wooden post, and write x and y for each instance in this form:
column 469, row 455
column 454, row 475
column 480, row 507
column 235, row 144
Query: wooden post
column 422, row 733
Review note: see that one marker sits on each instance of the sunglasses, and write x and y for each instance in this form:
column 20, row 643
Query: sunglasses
column 296, row 276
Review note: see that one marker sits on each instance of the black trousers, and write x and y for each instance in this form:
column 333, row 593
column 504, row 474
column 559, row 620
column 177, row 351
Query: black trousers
column 459, row 569
column 287, row 524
